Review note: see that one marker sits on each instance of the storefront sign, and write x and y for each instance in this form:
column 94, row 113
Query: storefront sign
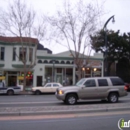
column 20, row 77
column 2, row 77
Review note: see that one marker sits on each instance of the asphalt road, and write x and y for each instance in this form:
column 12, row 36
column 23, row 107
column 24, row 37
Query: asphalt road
column 97, row 121
column 42, row 100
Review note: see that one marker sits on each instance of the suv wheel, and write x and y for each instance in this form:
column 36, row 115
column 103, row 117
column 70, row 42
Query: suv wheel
column 113, row 97
column 71, row 99
column 37, row 92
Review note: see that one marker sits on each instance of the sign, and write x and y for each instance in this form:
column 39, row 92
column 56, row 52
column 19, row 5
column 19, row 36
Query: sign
column 2, row 77
column 20, row 77
column 122, row 124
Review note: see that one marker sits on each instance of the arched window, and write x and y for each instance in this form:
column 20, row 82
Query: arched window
column 39, row 61
column 67, row 62
column 62, row 62
column 56, row 62
column 45, row 61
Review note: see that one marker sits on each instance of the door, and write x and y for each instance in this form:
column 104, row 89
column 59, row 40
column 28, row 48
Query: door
column 39, row 80
column 89, row 91
column 59, row 78
column 12, row 80
column 103, row 88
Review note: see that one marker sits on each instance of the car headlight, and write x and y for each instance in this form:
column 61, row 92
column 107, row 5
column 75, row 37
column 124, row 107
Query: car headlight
column 60, row 92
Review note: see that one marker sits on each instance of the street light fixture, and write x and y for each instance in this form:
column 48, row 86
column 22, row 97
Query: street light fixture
column 105, row 30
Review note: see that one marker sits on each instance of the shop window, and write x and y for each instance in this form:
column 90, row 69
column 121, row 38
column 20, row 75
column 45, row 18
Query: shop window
column 2, row 53
column 14, row 54
column 22, row 54
column 59, row 70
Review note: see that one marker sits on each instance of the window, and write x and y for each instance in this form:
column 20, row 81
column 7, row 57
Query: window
column 2, row 53
column 55, row 85
column 22, row 53
column 30, row 54
column 90, row 83
column 117, row 81
column 14, row 54
column 80, row 82
column 48, row 85
column 102, row 82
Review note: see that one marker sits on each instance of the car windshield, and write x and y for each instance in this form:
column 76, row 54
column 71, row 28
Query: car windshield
column 80, row 82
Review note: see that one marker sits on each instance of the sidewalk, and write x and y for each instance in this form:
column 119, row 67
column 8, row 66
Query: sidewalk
column 63, row 109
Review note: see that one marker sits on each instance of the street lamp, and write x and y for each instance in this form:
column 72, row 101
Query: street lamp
column 105, row 30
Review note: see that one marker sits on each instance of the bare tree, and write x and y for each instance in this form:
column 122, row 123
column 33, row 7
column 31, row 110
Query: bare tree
column 73, row 27
column 19, row 20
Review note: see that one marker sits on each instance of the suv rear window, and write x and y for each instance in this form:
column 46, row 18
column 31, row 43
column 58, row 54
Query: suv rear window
column 102, row 82
column 117, row 81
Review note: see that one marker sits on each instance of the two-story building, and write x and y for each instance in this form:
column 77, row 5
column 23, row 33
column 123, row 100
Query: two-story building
column 49, row 67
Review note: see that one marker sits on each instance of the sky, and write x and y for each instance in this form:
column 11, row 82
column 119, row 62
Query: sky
column 119, row 8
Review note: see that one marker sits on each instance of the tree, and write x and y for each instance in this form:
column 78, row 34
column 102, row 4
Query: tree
column 117, row 45
column 20, row 21
column 72, row 27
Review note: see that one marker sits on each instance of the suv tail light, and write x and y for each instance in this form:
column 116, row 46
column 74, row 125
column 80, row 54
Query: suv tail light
column 126, row 88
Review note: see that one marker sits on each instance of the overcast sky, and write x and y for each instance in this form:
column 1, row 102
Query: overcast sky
column 119, row 8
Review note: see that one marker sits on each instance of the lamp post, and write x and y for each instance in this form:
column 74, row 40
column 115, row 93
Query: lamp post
column 105, row 30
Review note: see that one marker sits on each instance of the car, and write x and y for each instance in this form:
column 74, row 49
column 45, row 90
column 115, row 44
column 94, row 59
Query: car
column 104, row 88
column 47, row 88
column 9, row 90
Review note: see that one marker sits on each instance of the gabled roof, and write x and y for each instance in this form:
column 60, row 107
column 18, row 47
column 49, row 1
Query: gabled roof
column 18, row 40
column 67, row 54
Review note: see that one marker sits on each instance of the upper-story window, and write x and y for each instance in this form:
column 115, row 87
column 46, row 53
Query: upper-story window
column 2, row 53
column 14, row 54
column 30, row 54
column 22, row 53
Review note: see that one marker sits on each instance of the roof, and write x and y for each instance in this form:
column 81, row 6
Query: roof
column 18, row 40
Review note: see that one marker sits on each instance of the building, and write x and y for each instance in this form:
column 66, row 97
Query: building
column 49, row 67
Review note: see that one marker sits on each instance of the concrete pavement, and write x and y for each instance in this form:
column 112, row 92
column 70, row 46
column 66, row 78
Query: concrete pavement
column 63, row 109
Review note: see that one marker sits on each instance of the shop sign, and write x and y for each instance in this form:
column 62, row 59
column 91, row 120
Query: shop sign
column 20, row 77
column 2, row 77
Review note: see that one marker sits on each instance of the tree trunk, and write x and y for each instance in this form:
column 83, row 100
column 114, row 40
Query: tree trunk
column 79, row 73
column 24, row 80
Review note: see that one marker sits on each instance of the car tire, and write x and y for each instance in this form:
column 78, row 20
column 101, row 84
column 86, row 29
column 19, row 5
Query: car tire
column 71, row 99
column 113, row 97
column 37, row 92
column 10, row 92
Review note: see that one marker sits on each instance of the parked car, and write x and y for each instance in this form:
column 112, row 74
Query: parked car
column 9, row 90
column 47, row 88
column 104, row 88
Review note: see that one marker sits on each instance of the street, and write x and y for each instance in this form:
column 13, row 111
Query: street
column 94, row 121
column 46, row 99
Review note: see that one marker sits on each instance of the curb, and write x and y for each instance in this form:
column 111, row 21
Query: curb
column 27, row 113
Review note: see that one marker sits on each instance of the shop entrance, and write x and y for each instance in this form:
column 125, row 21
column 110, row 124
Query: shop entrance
column 12, row 80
